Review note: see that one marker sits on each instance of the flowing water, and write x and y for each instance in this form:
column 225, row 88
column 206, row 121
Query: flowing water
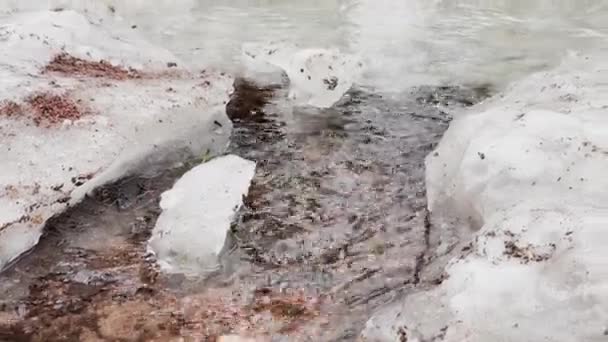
column 336, row 222
column 406, row 42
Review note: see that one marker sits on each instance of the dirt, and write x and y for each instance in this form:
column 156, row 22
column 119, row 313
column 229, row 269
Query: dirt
column 51, row 109
column 528, row 253
column 68, row 65
column 10, row 109
column 45, row 109
column 334, row 226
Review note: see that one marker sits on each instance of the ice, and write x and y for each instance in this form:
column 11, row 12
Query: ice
column 197, row 213
column 127, row 125
column 318, row 77
column 526, row 172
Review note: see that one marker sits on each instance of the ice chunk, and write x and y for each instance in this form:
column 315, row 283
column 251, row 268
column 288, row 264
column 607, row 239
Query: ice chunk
column 318, row 77
column 197, row 213
column 527, row 170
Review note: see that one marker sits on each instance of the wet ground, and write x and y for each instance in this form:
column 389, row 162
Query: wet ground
column 334, row 226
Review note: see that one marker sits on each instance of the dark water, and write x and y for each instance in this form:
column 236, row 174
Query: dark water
column 338, row 204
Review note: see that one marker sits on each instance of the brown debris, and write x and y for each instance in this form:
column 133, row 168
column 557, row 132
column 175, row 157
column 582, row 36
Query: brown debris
column 526, row 253
column 10, row 109
column 247, row 102
column 137, row 321
column 53, row 109
column 70, row 66
column 292, row 309
column 73, row 66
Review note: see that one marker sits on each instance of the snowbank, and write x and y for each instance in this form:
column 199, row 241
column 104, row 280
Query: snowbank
column 318, row 77
column 70, row 124
column 527, row 171
column 197, row 213
column 99, row 7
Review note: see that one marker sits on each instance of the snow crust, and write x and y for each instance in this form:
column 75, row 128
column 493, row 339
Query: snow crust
column 318, row 77
column 128, row 125
column 526, row 172
column 197, row 213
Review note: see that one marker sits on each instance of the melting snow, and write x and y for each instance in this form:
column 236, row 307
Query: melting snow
column 197, row 213
column 51, row 159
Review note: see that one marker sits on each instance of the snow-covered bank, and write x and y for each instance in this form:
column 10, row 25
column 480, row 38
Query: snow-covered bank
column 527, row 171
column 197, row 213
column 111, row 105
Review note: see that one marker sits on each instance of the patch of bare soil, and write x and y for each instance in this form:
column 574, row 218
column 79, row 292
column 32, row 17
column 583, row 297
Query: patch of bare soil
column 45, row 109
column 50, row 109
column 68, row 65
column 528, row 253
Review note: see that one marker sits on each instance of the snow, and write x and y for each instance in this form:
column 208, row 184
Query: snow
column 128, row 125
column 526, row 173
column 197, row 213
column 318, row 77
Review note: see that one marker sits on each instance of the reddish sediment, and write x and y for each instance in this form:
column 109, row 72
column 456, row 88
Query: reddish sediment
column 68, row 65
column 44, row 109
column 53, row 109
column 10, row 109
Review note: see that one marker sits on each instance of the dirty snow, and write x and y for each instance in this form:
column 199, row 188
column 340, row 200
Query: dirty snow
column 526, row 173
column 318, row 77
column 197, row 213
column 125, row 126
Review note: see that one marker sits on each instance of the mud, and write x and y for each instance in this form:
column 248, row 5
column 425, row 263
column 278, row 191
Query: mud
column 334, row 226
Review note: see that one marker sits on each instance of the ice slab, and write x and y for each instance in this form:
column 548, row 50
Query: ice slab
column 197, row 213
column 318, row 77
